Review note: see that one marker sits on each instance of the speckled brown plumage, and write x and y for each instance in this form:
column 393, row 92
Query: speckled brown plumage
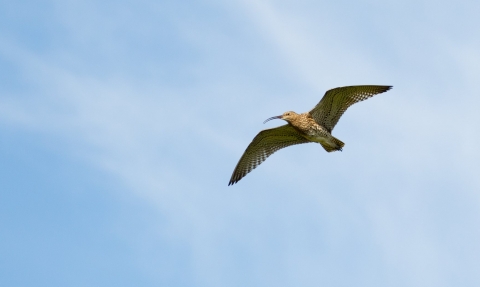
column 313, row 126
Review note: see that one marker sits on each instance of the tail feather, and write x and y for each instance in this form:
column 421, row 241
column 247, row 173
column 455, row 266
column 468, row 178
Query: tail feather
column 336, row 145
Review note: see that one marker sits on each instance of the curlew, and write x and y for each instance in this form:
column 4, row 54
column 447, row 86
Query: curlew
column 313, row 126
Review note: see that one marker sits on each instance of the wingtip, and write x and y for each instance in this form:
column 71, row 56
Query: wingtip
column 384, row 89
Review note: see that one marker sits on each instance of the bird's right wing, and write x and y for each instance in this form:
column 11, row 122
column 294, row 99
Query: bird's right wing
column 263, row 145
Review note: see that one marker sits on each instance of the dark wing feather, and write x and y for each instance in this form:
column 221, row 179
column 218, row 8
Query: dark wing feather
column 263, row 145
column 336, row 101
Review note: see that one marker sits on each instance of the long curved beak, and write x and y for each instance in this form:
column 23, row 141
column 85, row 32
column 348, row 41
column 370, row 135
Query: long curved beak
column 272, row 118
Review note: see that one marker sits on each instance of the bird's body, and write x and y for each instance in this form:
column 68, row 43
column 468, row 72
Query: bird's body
column 313, row 132
column 313, row 126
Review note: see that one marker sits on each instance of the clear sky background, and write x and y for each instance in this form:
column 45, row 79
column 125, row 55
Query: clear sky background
column 121, row 123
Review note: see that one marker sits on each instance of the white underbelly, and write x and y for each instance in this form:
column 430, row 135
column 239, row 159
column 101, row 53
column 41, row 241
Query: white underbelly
column 319, row 139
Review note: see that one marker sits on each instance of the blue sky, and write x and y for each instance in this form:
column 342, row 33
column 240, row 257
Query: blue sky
column 121, row 123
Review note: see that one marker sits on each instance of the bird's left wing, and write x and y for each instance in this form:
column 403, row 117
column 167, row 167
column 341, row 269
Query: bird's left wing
column 336, row 101
column 263, row 145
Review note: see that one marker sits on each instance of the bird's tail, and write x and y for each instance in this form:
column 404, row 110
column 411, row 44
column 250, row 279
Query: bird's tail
column 334, row 145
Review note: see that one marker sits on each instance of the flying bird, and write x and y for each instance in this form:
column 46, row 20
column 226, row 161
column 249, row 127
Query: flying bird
column 313, row 126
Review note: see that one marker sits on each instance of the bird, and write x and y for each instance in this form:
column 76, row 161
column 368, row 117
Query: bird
column 314, row 126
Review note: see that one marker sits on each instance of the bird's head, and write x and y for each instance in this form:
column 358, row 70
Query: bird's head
column 287, row 116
